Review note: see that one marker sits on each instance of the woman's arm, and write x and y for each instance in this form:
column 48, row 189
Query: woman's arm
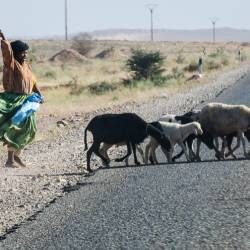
column 8, row 58
column 2, row 35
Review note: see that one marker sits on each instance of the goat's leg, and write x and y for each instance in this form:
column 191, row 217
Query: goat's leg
column 126, row 161
column 135, row 156
column 152, row 154
column 168, row 154
column 191, row 149
column 226, row 143
column 216, row 142
column 185, row 150
column 96, row 150
column 178, row 155
column 150, row 151
column 239, row 136
column 197, row 156
column 127, row 155
column 147, row 151
column 242, row 137
column 151, row 158
column 221, row 154
column 224, row 146
column 104, row 151
column 229, row 140
column 141, row 153
column 89, row 153
column 218, row 152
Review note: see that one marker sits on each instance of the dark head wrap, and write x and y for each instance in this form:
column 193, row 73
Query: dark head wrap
column 19, row 46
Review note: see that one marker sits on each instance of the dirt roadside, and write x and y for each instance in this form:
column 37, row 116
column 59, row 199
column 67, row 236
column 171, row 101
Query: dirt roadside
column 57, row 158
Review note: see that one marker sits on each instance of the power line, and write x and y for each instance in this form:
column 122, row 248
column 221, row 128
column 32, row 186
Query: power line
column 151, row 8
column 214, row 20
column 66, row 18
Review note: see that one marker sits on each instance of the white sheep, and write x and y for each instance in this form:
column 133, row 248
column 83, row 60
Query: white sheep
column 220, row 120
column 176, row 133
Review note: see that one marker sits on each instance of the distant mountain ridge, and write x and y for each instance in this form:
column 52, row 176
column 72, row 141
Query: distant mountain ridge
column 198, row 35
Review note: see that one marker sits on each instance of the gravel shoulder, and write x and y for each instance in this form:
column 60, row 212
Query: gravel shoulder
column 56, row 161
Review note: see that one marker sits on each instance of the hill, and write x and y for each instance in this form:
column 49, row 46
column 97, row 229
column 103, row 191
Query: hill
column 199, row 35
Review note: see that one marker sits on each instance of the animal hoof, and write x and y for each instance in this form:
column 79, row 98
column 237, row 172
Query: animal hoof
column 198, row 159
column 247, row 156
column 90, row 172
column 219, row 156
column 151, row 160
column 138, row 163
column 105, row 164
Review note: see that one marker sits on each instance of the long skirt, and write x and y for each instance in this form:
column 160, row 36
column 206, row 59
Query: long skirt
column 14, row 136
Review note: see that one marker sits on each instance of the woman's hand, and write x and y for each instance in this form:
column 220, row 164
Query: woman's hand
column 2, row 35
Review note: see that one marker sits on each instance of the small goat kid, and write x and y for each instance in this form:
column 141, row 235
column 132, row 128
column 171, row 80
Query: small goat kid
column 177, row 133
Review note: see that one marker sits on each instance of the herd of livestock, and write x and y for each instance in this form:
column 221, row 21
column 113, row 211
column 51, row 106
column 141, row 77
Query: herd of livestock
column 213, row 121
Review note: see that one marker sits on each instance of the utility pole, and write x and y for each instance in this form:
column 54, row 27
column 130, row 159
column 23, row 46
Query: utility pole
column 214, row 23
column 151, row 8
column 66, row 19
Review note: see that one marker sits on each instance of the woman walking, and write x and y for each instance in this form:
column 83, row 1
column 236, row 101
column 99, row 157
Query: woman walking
column 19, row 86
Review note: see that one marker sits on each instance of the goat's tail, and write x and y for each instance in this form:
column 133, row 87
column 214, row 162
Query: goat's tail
column 85, row 138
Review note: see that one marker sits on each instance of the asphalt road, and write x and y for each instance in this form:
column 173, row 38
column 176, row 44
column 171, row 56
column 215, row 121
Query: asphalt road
column 182, row 206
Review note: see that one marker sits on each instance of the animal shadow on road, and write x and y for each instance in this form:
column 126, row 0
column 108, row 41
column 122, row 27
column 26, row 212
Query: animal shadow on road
column 174, row 163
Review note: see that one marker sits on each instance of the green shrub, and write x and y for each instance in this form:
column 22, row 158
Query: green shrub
column 243, row 56
column 82, row 43
column 177, row 73
column 213, row 55
column 50, row 74
column 193, row 66
column 101, row 88
column 145, row 65
column 225, row 60
column 212, row 65
column 75, row 88
column 180, row 59
column 129, row 83
column 159, row 80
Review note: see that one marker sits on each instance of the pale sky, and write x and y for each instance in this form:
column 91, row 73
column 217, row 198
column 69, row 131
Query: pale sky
column 38, row 18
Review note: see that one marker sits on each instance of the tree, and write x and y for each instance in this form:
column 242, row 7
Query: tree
column 145, row 65
column 82, row 43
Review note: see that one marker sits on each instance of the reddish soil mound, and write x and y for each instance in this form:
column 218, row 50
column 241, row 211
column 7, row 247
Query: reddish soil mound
column 68, row 55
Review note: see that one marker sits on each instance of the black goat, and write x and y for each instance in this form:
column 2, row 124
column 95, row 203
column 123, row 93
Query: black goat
column 118, row 128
